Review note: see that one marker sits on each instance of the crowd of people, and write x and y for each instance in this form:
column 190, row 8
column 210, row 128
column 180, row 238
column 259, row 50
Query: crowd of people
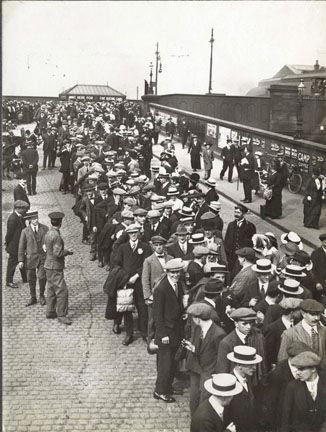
column 240, row 315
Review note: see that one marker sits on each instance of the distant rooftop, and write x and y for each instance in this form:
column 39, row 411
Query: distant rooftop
column 92, row 90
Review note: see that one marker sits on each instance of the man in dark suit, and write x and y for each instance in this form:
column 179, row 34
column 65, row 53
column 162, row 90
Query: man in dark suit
column 130, row 257
column 20, row 190
column 87, row 212
column 30, row 158
column 212, row 414
column 154, row 226
column 195, row 267
column 244, row 406
column 227, row 155
column 31, row 251
column 15, row 226
column 202, row 358
column 305, row 398
column 57, row 291
column 318, row 258
column 46, row 147
column 238, row 234
column 248, row 170
column 167, row 313
column 181, row 248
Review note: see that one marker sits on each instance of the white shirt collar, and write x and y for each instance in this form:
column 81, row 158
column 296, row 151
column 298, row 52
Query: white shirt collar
column 241, row 380
column 307, row 327
column 286, row 322
column 173, row 285
column 313, row 386
column 133, row 244
column 218, row 408
column 206, row 326
column 210, row 301
column 241, row 336
column 264, row 284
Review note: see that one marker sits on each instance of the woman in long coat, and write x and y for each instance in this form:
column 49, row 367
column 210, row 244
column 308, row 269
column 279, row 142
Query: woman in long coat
column 313, row 200
column 194, row 150
column 273, row 207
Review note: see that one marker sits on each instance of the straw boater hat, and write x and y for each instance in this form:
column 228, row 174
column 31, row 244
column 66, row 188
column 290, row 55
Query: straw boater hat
column 293, row 271
column 243, row 354
column 291, row 286
column 197, row 238
column 223, row 384
column 215, row 205
column 293, row 238
column 211, row 182
column 262, row 266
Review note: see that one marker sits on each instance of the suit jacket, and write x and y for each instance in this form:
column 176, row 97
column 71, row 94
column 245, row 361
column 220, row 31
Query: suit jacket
column 206, row 419
column 55, row 250
column 176, row 251
column 211, row 195
column 161, row 230
column 298, row 333
column 152, row 270
column 238, row 237
column 318, row 258
column 30, row 158
column 252, row 291
column 31, row 246
column 15, row 225
column 194, row 273
column 131, row 261
column 300, row 412
column 204, row 360
column 20, row 194
column 167, row 313
column 248, row 168
column 86, row 209
column 246, row 277
column 273, row 335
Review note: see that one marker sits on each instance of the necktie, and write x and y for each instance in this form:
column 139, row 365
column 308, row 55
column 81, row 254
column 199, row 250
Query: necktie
column 315, row 340
column 183, row 247
column 133, row 247
column 160, row 256
column 262, row 290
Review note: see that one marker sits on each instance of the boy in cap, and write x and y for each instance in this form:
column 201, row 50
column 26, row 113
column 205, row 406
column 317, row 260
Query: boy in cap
column 15, row 225
column 305, row 398
column 308, row 330
column 57, row 291
column 20, row 190
column 201, row 358
column 211, row 414
column 31, row 255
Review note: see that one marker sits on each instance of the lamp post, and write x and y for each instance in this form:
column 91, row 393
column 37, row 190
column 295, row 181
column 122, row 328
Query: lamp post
column 151, row 78
column 299, row 131
column 158, row 68
column 211, row 41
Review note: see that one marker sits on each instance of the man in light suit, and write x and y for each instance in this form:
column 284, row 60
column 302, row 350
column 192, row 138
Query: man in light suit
column 246, row 275
column 31, row 249
column 153, row 269
column 308, row 331
column 203, row 347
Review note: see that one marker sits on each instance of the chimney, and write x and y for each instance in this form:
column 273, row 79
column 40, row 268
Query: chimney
column 316, row 66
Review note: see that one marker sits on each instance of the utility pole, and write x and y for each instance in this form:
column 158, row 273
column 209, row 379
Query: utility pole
column 158, row 68
column 137, row 90
column 211, row 41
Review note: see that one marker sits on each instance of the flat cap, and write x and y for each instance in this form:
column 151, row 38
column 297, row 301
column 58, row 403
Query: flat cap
column 119, row 191
column 153, row 214
column 158, row 239
column 243, row 314
column 102, row 186
column 132, row 228
column 130, row 201
column 306, row 359
column 290, row 303
column 246, row 252
column 127, row 214
column 31, row 215
column 181, row 230
column 20, row 204
column 200, row 251
column 200, row 310
column 207, row 216
column 149, row 187
column 311, row 305
column 56, row 215
column 174, row 264
column 140, row 212
column 296, row 347
column 134, row 190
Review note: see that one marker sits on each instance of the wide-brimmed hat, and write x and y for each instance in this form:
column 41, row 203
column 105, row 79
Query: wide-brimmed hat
column 290, row 286
column 293, row 238
column 262, row 266
column 243, row 354
column 211, row 182
column 293, row 271
column 223, row 384
column 197, row 238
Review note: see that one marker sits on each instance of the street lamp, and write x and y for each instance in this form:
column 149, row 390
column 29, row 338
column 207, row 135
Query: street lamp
column 299, row 131
column 158, row 68
column 211, row 41
column 151, row 78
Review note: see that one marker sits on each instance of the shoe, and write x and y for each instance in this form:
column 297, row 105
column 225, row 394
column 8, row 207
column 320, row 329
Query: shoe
column 127, row 340
column 116, row 329
column 221, row 178
column 42, row 301
column 12, row 285
column 100, row 264
column 32, row 302
column 51, row 315
column 230, row 181
column 64, row 320
column 163, row 397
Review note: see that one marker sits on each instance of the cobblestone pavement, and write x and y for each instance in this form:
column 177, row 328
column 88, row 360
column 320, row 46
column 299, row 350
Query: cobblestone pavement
column 78, row 378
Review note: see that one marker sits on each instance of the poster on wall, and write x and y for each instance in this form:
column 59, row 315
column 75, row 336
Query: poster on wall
column 223, row 135
column 211, row 130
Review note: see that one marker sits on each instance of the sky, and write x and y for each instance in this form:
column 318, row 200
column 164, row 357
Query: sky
column 49, row 46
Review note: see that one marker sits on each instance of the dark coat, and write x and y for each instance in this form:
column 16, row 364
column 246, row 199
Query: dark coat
column 131, row 261
column 206, row 419
column 55, row 250
column 238, row 237
column 15, row 225
column 20, row 194
column 211, row 195
column 252, row 291
column 116, row 279
column 167, row 313
column 318, row 258
column 273, row 334
column 300, row 412
column 273, row 207
column 194, row 273
column 30, row 158
column 176, row 251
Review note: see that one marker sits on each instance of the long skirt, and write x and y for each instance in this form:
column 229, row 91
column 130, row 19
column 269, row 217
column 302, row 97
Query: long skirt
column 273, row 207
column 311, row 213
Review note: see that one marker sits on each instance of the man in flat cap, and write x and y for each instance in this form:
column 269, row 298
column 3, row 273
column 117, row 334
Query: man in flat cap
column 130, row 257
column 57, row 291
column 20, row 190
column 201, row 359
column 15, row 225
column 308, row 330
column 238, row 234
column 167, row 311
column 31, row 255
column 305, row 398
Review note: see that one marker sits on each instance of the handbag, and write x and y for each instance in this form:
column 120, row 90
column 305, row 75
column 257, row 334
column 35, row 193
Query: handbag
column 268, row 193
column 125, row 300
